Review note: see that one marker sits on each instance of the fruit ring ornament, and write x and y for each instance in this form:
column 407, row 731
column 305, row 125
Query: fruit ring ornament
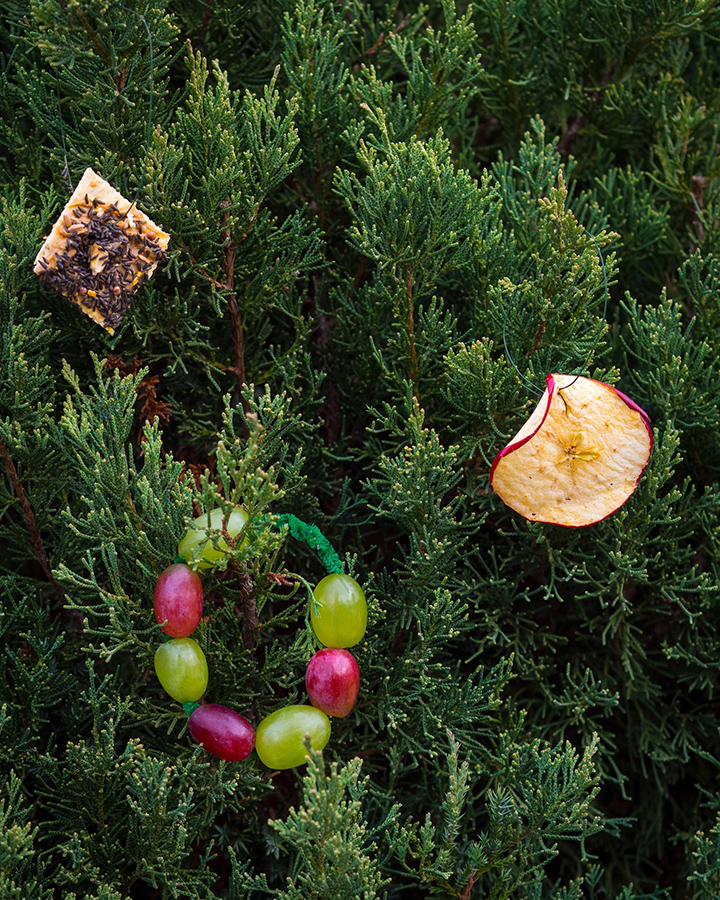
column 578, row 457
column 338, row 618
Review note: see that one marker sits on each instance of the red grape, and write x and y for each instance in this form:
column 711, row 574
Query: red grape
column 178, row 600
column 333, row 680
column 222, row 732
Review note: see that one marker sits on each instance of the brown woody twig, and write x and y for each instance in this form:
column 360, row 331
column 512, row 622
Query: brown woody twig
column 251, row 620
column 29, row 515
column 581, row 119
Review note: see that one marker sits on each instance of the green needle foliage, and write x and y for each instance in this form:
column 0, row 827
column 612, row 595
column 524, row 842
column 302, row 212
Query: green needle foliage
column 327, row 838
column 387, row 226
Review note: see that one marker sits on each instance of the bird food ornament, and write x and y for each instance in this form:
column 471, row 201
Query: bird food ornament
column 339, row 619
column 581, row 453
column 100, row 250
column 578, row 457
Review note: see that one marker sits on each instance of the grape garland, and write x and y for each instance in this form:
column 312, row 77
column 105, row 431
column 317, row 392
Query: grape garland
column 338, row 618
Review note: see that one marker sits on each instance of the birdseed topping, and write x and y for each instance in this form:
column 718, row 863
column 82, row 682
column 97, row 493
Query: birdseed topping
column 105, row 258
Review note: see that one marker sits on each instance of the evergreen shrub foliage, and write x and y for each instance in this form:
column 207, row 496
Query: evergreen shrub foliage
column 373, row 208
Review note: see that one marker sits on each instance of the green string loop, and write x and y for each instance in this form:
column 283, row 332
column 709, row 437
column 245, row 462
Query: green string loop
column 606, row 293
column 314, row 538
column 141, row 183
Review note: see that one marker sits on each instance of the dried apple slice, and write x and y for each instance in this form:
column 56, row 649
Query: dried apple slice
column 578, row 457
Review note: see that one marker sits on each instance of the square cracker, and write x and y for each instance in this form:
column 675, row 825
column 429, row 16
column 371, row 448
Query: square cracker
column 100, row 250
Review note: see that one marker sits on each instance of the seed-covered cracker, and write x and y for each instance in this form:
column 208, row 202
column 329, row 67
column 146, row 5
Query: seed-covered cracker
column 100, row 250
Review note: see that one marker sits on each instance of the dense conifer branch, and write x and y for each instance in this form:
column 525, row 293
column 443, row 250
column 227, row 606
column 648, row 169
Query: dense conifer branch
column 237, row 327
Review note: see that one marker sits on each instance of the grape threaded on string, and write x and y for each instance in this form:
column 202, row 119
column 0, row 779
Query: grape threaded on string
column 178, row 600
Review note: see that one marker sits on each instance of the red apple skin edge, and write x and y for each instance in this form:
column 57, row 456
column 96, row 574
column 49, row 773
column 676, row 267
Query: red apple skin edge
column 510, row 448
column 332, row 680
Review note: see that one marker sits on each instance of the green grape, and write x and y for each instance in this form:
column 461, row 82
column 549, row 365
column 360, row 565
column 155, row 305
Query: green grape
column 279, row 737
column 198, row 548
column 341, row 617
column 181, row 668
